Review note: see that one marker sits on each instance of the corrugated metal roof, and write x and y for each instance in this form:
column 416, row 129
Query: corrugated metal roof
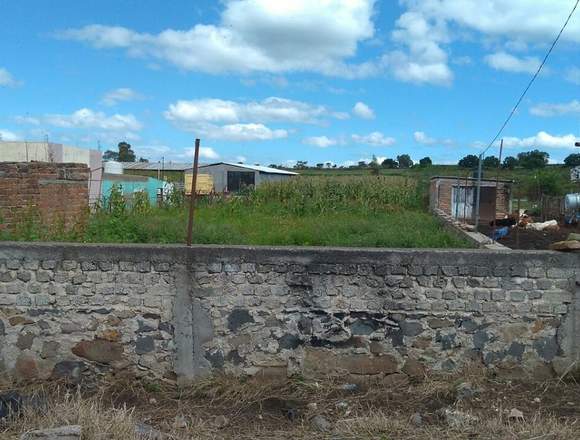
column 154, row 166
column 259, row 168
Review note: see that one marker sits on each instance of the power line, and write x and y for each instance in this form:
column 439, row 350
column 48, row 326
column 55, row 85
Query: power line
column 532, row 80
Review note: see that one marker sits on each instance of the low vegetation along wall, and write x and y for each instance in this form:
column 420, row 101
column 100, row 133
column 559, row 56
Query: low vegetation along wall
column 69, row 310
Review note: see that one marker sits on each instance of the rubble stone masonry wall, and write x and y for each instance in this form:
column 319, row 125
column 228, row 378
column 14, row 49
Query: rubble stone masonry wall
column 55, row 194
column 68, row 310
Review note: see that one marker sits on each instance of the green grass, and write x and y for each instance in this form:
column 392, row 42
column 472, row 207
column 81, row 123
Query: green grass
column 365, row 212
column 266, row 226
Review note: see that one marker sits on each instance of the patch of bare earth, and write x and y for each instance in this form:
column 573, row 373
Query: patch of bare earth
column 470, row 406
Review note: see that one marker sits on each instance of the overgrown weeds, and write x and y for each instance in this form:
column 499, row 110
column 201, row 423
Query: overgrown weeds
column 358, row 211
column 223, row 407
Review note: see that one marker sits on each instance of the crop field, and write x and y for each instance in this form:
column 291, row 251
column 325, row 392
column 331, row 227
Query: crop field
column 366, row 211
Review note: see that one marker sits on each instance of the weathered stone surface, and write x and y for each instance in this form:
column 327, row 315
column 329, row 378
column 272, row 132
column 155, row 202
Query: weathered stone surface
column 144, row 344
column 26, row 367
column 99, row 350
column 414, row 369
column 69, row 370
column 262, row 309
column 329, row 362
column 238, row 318
column 25, row 340
column 19, row 320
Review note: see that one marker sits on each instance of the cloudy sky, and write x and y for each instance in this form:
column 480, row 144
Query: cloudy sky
column 278, row 81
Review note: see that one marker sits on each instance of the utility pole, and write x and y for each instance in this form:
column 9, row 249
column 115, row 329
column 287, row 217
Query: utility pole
column 478, row 191
column 193, row 194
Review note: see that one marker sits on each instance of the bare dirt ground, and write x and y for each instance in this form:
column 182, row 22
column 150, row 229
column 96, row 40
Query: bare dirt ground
column 474, row 405
column 520, row 238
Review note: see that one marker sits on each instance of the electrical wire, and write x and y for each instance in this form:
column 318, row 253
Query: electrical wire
column 532, row 80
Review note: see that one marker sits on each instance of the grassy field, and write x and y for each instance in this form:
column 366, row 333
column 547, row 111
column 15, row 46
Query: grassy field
column 352, row 211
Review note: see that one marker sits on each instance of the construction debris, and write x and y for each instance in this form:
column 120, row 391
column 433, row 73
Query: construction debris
column 566, row 246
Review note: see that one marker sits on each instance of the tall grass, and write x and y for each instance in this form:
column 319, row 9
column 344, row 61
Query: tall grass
column 358, row 211
column 353, row 194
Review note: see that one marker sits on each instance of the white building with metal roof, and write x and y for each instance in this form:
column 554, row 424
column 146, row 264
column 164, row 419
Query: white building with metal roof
column 232, row 177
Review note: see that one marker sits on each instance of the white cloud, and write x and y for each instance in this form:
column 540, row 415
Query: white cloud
column 87, row 118
column 271, row 109
column 208, row 153
column 423, row 61
column 231, row 120
column 237, row 132
column 510, row 63
column 573, row 75
column 422, row 138
column 100, row 125
column 254, row 35
column 242, row 159
column 375, row 139
column 320, row 141
column 547, row 110
column 363, row 111
column 123, row 94
column 168, row 153
column 541, row 140
column 6, row 135
column 6, row 79
column 427, row 27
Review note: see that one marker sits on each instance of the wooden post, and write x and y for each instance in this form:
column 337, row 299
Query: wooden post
column 193, row 194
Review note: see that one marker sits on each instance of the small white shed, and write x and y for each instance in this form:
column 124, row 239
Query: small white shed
column 232, row 177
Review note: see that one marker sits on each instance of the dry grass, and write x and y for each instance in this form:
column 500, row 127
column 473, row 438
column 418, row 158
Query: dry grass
column 229, row 408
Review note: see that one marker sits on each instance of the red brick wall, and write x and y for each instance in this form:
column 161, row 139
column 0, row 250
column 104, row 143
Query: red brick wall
column 55, row 194
column 440, row 197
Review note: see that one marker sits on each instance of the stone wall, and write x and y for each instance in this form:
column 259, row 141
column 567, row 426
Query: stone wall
column 55, row 194
column 172, row 311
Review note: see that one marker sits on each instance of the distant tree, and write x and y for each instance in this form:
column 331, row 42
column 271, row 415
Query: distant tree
column 390, row 164
column 362, row 164
column 143, row 160
column 572, row 160
column 301, row 165
column 126, row 154
column 491, row 162
column 404, row 161
column 469, row 161
column 111, row 155
column 533, row 159
column 334, row 165
column 546, row 182
column 425, row 162
column 273, row 165
column 319, row 165
column 510, row 163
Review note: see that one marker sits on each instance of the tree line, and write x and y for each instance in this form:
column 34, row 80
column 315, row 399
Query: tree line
column 528, row 160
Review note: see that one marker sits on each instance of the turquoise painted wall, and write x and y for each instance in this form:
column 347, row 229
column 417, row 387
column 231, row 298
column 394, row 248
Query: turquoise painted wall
column 128, row 187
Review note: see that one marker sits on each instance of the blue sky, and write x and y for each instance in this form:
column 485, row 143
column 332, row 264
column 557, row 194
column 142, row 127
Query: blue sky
column 278, row 81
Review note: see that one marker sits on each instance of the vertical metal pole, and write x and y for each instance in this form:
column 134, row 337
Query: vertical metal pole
column 465, row 202
column 496, row 189
column 478, row 191
column 193, row 188
column 457, row 198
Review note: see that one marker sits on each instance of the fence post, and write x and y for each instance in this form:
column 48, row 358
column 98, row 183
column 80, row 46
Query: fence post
column 193, row 194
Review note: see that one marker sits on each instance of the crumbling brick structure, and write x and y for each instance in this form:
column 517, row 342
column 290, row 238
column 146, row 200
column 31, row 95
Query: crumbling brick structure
column 456, row 196
column 52, row 194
